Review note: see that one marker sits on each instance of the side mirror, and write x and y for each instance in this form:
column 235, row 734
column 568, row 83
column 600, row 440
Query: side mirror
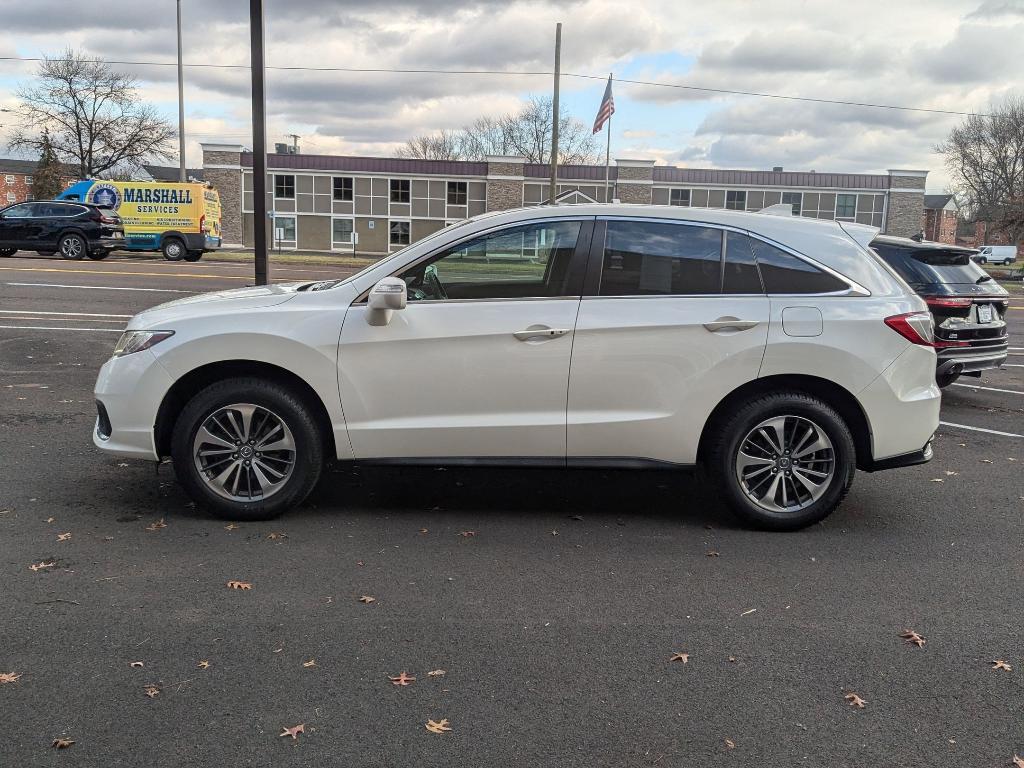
column 385, row 297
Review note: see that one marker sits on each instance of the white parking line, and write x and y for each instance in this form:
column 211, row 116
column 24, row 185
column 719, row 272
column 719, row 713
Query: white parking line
column 979, row 429
column 990, row 389
column 1013, row 365
column 59, row 328
column 101, row 287
column 69, row 314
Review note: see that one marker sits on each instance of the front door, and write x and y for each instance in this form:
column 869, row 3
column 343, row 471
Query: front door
column 674, row 319
column 477, row 364
column 14, row 226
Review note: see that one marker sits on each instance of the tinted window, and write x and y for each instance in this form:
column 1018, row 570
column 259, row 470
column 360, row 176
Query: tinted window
column 930, row 265
column 782, row 272
column 740, row 269
column 645, row 258
column 520, row 262
column 18, row 212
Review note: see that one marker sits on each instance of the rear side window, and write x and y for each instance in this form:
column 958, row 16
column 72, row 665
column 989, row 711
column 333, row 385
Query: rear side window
column 644, row 258
column 784, row 273
column 740, row 275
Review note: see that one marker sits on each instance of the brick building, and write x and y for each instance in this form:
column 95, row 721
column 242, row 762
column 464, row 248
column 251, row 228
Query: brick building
column 319, row 201
column 16, row 180
column 940, row 219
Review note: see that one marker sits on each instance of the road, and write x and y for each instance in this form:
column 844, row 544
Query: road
column 554, row 622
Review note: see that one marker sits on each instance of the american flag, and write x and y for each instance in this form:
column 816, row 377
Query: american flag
column 607, row 108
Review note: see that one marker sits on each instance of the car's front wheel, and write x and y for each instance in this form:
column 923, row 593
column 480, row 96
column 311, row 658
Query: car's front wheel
column 784, row 460
column 247, row 449
column 8, row 251
column 72, row 246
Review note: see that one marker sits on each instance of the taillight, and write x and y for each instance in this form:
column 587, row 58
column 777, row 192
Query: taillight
column 948, row 301
column 202, row 224
column 102, row 218
column 915, row 327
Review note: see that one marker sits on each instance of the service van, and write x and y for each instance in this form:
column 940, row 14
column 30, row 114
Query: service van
column 996, row 254
column 180, row 220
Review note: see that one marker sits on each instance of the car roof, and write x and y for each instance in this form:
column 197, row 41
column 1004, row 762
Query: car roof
column 924, row 245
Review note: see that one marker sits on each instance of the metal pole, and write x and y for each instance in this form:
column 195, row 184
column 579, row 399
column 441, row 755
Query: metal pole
column 181, row 106
column 607, row 155
column 553, row 186
column 259, row 145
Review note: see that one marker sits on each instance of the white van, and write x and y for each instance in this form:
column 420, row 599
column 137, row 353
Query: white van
column 997, row 254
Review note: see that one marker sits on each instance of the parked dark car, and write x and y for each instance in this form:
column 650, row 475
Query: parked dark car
column 968, row 306
column 74, row 230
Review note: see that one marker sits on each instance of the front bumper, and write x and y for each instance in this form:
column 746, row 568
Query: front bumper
column 130, row 390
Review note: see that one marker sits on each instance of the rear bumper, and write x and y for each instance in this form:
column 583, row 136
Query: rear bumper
column 966, row 361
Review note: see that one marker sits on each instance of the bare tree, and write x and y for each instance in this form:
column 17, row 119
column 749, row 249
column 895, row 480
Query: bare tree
column 93, row 116
column 526, row 133
column 985, row 157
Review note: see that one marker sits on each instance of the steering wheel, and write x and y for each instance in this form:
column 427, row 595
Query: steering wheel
column 433, row 283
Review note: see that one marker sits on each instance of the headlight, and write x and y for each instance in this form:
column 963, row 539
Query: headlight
column 136, row 341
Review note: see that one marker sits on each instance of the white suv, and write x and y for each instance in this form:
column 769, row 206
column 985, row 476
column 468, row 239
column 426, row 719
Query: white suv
column 778, row 352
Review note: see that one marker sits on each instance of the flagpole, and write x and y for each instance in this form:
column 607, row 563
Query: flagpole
column 608, row 152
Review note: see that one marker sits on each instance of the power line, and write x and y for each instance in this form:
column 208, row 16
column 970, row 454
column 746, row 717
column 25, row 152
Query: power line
column 509, row 73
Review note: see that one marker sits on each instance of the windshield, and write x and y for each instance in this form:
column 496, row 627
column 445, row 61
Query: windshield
column 931, row 265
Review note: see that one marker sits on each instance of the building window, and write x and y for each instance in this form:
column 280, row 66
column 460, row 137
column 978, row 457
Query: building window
column 794, row 199
column 736, row 201
column 284, row 231
column 341, row 233
column 11, row 197
column 28, row 180
column 398, row 231
column 458, row 193
column 342, row 188
column 846, row 206
column 284, row 186
column 679, row 197
column 399, row 191
column 9, row 179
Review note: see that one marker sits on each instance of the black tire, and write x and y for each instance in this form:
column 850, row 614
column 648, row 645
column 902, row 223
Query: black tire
column 72, row 246
column 732, row 431
column 288, row 407
column 945, row 379
column 99, row 255
column 193, row 256
column 982, row 260
column 7, row 252
column 173, row 249
column 1007, row 262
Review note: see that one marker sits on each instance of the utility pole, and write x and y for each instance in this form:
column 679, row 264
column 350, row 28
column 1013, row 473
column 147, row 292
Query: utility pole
column 259, row 144
column 181, row 106
column 295, row 143
column 553, row 186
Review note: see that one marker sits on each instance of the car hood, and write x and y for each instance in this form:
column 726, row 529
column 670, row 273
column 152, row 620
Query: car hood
column 163, row 316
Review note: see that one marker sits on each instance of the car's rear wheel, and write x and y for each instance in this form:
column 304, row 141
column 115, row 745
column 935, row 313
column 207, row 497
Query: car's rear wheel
column 46, row 253
column 98, row 255
column 72, row 246
column 173, row 249
column 946, row 379
column 784, row 460
column 247, row 449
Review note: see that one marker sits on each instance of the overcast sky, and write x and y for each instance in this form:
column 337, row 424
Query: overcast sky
column 938, row 54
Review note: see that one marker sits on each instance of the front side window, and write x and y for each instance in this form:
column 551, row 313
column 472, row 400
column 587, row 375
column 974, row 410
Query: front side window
column 783, row 272
column 527, row 261
column 736, row 201
column 679, row 197
column 644, row 258
column 458, row 193
column 284, row 186
column 399, row 190
column 846, row 206
column 341, row 232
column 398, row 233
column 342, row 188
column 793, row 199
column 18, row 212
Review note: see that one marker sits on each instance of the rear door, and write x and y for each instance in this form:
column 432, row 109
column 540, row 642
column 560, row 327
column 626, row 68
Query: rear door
column 672, row 320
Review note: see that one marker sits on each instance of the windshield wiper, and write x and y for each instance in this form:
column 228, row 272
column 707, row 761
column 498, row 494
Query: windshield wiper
column 982, row 279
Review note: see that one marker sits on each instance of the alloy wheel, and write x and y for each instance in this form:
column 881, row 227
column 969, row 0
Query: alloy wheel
column 785, row 463
column 72, row 247
column 244, row 452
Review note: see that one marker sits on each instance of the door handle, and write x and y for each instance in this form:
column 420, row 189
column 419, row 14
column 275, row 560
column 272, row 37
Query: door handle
column 540, row 332
column 730, row 323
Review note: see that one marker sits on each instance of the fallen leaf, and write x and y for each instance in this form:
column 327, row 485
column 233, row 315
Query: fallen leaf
column 231, row 527
column 554, row 533
column 423, row 530
column 439, row 727
column 62, row 743
column 747, row 613
column 294, row 731
column 912, row 638
column 44, row 564
column 152, row 691
column 985, row 461
column 239, row 585
column 950, row 472
column 50, row 519
column 367, row 599
column 576, row 517
column 9, row 677
column 938, row 480
column 855, row 700
column 1018, row 761
column 467, row 534
column 157, row 525
column 712, row 553
column 732, row 659
column 137, row 664
column 683, row 657
column 275, row 535
column 310, row 663
column 730, row 744
column 435, row 673
column 402, row 679
column 203, row 664
column 359, row 563
column 1000, row 664
column 63, row 536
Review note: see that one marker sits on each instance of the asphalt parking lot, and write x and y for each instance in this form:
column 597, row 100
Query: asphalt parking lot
column 537, row 610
